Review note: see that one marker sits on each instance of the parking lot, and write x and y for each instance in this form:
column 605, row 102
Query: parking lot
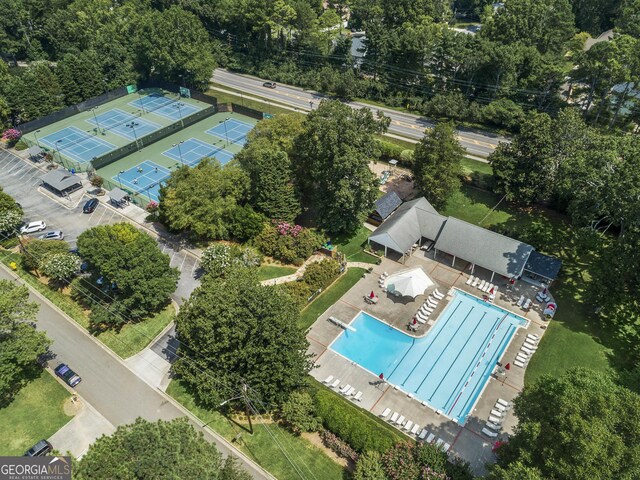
column 21, row 179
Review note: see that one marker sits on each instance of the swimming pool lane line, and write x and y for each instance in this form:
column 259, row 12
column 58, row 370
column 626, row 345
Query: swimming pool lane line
column 474, row 358
column 405, row 354
column 507, row 333
column 456, row 359
column 444, row 349
column 476, row 367
column 430, row 344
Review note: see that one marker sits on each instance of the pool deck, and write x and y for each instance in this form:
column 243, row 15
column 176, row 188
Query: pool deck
column 467, row 442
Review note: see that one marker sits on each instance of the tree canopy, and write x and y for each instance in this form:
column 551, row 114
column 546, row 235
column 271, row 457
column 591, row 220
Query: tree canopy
column 147, row 450
column 10, row 213
column 21, row 345
column 134, row 272
column 251, row 337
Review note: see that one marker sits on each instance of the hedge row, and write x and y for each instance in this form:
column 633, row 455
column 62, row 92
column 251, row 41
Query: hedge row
column 360, row 429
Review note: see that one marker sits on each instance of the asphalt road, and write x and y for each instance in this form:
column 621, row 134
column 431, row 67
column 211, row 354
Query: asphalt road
column 108, row 385
column 477, row 143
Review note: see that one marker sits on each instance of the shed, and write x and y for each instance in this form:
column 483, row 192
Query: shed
column 119, row 197
column 385, row 206
column 35, row 152
column 61, row 181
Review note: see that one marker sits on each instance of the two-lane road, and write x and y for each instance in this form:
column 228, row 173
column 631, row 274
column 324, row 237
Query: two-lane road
column 478, row 144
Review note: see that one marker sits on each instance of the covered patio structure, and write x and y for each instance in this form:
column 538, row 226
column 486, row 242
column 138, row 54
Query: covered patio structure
column 61, row 182
column 119, row 197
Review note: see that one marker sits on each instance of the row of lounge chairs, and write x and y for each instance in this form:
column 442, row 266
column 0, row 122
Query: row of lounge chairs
column 524, row 302
column 346, row 390
column 496, row 417
column 427, row 308
column 482, row 285
column 413, row 428
column 528, row 348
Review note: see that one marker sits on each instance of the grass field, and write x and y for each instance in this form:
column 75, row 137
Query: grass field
column 353, row 246
column 261, row 446
column 35, row 413
column 267, row 272
column 330, row 296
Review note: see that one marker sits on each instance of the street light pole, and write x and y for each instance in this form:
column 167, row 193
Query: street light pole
column 179, row 150
column 35, row 134
column 180, row 113
column 141, row 102
column 133, row 128
column 226, row 135
column 120, row 181
column 59, row 154
column 93, row 110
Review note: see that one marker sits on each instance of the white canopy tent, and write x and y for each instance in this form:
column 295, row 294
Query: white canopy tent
column 411, row 282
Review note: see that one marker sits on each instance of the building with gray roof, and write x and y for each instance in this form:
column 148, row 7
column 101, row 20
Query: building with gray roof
column 385, row 206
column 61, row 181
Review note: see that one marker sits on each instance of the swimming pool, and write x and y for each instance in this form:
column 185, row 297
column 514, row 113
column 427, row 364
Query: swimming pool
column 449, row 367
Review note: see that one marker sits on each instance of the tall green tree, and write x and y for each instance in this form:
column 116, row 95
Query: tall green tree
column 135, row 273
column 200, row 200
column 10, row 213
column 80, row 76
column 437, row 164
column 332, row 158
column 578, row 426
column 628, row 21
column 157, row 450
column 20, row 344
column 35, row 92
column 251, row 337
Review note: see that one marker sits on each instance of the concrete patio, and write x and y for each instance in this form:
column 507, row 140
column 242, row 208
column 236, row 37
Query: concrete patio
column 467, row 441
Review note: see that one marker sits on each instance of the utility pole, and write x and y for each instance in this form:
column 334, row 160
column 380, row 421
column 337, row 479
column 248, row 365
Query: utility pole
column 246, row 404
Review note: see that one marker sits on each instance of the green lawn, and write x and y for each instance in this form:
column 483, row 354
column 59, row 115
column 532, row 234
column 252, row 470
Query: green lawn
column 353, row 246
column 574, row 337
column 134, row 337
column 267, row 272
column 34, row 414
column 330, row 296
column 261, row 447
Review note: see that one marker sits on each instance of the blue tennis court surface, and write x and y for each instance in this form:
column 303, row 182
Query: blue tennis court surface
column 235, row 130
column 146, row 178
column 449, row 367
column 191, row 151
column 165, row 106
column 77, row 144
column 124, row 124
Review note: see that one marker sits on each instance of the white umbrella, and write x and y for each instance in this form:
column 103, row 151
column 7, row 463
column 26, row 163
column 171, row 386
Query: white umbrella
column 411, row 283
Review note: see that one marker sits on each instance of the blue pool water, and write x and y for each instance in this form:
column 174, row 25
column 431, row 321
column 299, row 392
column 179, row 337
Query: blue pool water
column 449, row 367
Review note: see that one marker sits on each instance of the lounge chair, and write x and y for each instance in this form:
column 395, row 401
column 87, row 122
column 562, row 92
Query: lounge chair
column 439, row 442
column 421, row 320
column 526, row 350
column 495, row 420
column 386, row 413
column 496, row 413
column 489, row 433
column 431, row 302
column 487, row 287
column 503, row 403
column 518, row 363
column 527, row 304
column 470, row 280
column 475, row 282
column 431, row 437
column 423, row 434
column 328, row 379
column 358, row 396
column 522, row 358
column 482, row 284
column 400, row 420
column 335, row 383
column 394, row 417
column 500, row 408
column 423, row 315
column 529, row 345
column 493, row 426
column 437, row 294
column 345, row 388
column 426, row 309
column 520, row 301
column 533, row 336
column 349, row 392
column 446, row 447
column 414, row 430
column 408, row 425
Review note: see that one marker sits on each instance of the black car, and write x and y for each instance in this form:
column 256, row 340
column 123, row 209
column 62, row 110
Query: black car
column 269, row 84
column 90, row 206
column 70, row 377
column 39, row 449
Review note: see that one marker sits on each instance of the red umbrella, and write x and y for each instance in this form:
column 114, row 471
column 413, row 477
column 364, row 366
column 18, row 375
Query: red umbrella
column 381, row 376
column 507, row 366
column 372, row 295
column 491, row 292
column 415, row 321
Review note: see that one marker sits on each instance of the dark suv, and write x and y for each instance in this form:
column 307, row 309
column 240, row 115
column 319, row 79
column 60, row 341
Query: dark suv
column 90, row 206
column 70, row 377
column 39, row 449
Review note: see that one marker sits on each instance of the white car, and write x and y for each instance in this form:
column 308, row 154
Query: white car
column 32, row 227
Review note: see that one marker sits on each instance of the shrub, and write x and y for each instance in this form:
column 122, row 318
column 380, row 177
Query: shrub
column 389, row 151
column 340, row 447
column 503, row 113
column 37, row 252
column 11, row 136
column 97, row 181
column 298, row 413
column 244, row 223
column 369, row 467
column 60, row 266
column 319, row 275
column 398, row 462
column 287, row 242
column 152, row 206
column 219, row 257
column 352, row 424
column 299, row 291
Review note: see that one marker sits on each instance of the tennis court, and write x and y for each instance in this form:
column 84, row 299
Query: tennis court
column 163, row 105
column 124, row 124
column 233, row 130
column 146, row 177
column 77, row 144
column 191, row 151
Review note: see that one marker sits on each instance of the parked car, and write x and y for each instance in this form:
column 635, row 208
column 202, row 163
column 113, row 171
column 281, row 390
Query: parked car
column 90, row 206
column 52, row 235
column 269, row 84
column 39, row 449
column 70, row 377
column 33, row 227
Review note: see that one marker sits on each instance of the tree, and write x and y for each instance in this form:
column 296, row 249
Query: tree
column 157, row 450
column 628, row 21
column 298, row 413
column 369, row 467
column 514, row 471
column 80, row 76
column 10, row 213
column 332, row 164
column 594, row 16
column 132, row 267
column 219, row 258
column 576, row 426
column 252, row 338
column 60, row 266
column 37, row 252
column 437, row 164
column 35, row 93
column 198, row 200
column 20, row 344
